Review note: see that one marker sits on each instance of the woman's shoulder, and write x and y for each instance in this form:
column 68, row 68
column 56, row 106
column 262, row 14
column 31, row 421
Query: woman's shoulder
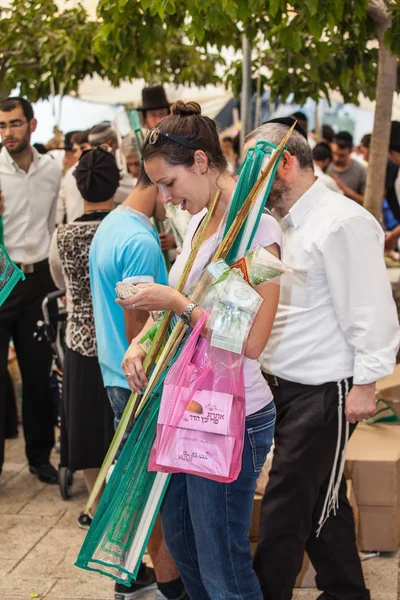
column 268, row 231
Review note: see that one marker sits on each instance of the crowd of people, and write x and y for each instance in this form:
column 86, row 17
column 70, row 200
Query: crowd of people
column 82, row 219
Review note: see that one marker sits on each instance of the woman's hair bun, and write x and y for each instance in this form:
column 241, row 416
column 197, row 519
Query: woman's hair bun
column 186, row 109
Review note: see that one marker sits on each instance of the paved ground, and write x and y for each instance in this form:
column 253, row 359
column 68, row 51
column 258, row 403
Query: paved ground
column 39, row 541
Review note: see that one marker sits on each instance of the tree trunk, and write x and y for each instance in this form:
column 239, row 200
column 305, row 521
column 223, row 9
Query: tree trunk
column 385, row 88
column 4, row 92
column 245, row 100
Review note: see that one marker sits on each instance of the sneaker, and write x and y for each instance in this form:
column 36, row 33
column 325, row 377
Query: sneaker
column 46, row 473
column 160, row 596
column 145, row 582
column 84, row 521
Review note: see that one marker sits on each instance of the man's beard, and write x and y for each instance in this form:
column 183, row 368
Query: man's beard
column 279, row 192
column 23, row 145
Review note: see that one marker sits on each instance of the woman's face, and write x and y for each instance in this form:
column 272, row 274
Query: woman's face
column 187, row 187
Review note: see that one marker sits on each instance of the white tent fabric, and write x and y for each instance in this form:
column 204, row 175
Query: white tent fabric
column 211, row 98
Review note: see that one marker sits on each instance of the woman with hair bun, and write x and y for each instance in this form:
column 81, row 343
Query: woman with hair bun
column 206, row 523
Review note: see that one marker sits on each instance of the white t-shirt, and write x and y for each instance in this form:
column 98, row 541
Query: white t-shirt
column 257, row 392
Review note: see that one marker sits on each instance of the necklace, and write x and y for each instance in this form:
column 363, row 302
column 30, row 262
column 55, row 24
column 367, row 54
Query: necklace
column 89, row 212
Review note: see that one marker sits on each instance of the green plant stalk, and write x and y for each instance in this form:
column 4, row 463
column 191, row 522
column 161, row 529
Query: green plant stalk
column 149, row 361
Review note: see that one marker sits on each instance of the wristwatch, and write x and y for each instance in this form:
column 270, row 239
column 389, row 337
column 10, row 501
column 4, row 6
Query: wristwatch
column 185, row 316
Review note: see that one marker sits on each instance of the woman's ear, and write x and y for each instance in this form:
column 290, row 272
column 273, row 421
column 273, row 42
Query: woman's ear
column 200, row 162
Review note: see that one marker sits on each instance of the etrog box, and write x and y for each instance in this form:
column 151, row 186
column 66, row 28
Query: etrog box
column 373, row 465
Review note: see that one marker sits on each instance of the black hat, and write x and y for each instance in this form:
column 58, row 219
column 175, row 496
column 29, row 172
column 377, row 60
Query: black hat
column 154, row 98
column 289, row 122
column 97, row 175
column 394, row 143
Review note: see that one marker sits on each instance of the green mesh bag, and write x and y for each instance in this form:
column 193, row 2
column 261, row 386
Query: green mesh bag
column 118, row 536
column 10, row 274
column 249, row 172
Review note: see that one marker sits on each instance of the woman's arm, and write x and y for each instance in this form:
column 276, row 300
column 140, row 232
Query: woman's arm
column 262, row 326
column 160, row 297
column 55, row 264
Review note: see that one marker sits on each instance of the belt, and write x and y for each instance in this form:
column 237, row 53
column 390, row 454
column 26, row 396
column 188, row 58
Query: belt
column 29, row 268
column 272, row 380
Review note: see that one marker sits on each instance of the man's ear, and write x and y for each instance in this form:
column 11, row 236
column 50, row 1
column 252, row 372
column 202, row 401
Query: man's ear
column 32, row 125
column 286, row 161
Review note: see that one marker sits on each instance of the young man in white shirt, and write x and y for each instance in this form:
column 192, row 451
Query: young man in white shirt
column 29, row 183
column 336, row 332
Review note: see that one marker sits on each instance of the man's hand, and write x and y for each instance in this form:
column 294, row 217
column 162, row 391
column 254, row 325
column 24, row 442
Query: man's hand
column 132, row 367
column 2, row 207
column 167, row 241
column 360, row 403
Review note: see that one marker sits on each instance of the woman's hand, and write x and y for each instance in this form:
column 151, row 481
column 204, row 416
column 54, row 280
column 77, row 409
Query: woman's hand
column 132, row 367
column 154, row 297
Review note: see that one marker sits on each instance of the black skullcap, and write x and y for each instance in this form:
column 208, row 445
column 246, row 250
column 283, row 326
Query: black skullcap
column 97, row 175
column 394, row 143
column 289, row 122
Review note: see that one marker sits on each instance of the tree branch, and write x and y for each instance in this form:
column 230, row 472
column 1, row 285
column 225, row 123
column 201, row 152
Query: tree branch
column 378, row 11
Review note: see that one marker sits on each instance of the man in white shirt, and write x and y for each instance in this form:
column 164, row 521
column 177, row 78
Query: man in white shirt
column 322, row 158
column 29, row 183
column 336, row 332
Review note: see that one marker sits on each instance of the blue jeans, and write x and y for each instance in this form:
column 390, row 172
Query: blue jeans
column 118, row 398
column 206, row 523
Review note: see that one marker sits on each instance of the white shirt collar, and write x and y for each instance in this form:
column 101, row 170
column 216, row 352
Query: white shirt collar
column 304, row 204
column 9, row 162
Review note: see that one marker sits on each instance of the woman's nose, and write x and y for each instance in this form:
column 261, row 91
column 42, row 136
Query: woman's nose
column 165, row 195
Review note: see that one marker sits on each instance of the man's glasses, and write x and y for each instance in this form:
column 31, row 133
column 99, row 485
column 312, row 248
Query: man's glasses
column 12, row 125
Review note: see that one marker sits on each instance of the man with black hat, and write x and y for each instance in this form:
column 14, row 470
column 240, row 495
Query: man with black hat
column 155, row 106
column 336, row 332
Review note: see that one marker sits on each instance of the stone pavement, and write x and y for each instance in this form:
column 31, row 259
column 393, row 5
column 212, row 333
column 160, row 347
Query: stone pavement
column 39, row 542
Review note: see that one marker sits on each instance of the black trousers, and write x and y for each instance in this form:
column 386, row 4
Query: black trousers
column 305, row 442
column 18, row 319
column 11, row 417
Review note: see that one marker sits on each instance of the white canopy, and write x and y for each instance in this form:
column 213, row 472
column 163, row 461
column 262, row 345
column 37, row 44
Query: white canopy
column 211, row 98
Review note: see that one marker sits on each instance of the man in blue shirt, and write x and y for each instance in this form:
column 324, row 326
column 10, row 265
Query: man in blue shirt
column 127, row 245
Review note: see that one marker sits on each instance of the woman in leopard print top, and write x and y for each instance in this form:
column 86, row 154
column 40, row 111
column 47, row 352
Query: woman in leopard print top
column 87, row 418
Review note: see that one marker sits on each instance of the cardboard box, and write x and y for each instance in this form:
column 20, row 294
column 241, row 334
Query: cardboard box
column 388, row 389
column 390, row 381
column 373, row 464
column 379, row 528
column 264, row 475
column 255, row 521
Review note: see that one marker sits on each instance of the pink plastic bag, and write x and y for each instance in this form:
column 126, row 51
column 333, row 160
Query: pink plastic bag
column 201, row 422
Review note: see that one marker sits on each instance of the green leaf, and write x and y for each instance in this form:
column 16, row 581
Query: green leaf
column 274, row 6
column 312, row 6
